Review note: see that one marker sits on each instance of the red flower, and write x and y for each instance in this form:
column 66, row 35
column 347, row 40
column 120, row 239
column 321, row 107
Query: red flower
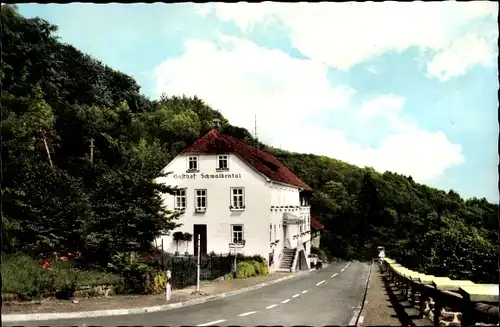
column 147, row 256
column 46, row 264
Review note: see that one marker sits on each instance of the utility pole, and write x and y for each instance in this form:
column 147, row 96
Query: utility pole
column 91, row 151
column 46, row 148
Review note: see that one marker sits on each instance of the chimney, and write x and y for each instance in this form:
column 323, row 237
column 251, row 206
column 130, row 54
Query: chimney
column 216, row 123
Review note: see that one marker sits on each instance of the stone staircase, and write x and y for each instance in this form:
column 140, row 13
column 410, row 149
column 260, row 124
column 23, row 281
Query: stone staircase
column 287, row 259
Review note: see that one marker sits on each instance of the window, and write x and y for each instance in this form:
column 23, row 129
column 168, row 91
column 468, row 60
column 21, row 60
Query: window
column 270, row 233
column 222, row 162
column 237, row 234
column 237, row 198
column 201, row 200
column 180, row 199
column 275, row 232
column 192, row 163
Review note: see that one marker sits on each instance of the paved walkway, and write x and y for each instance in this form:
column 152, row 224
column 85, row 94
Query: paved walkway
column 385, row 306
column 136, row 301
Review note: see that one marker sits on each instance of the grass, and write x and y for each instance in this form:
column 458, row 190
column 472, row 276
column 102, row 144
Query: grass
column 24, row 276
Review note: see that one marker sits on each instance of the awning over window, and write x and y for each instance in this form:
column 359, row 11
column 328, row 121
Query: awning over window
column 315, row 224
column 290, row 219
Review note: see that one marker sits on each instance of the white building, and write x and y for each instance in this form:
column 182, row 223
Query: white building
column 232, row 193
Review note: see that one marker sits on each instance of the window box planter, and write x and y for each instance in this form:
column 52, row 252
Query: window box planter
column 221, row 169
column 241, row 243
column 192, row 171
column 200, row 210
column 237, row 208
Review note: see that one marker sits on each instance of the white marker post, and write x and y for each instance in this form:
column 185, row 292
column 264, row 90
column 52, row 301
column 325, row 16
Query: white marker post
column 168, row 287
column 198, row 267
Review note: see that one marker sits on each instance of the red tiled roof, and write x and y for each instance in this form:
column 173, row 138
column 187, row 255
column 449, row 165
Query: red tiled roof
column 264, row 162
column 315, row 224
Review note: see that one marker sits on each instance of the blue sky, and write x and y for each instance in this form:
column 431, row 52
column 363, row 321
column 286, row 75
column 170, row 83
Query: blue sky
column 367, row 83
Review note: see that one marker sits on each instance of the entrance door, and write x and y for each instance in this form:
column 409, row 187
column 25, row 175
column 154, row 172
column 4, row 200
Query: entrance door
column 285, row 243
column 202, row 231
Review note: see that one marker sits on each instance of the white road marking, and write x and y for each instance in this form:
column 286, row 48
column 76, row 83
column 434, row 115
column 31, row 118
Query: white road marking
column 271, row 306
column 304, row 292
column 342, row 269
column 323, row 281
column 286, row 301
column 333, row 275
column 360, row 320
column 247, row 313
column 352, row 322
column 296, row 295
column 212, row 323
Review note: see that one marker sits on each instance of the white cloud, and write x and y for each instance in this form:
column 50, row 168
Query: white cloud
column 462, row 53
column 389, row 106
column 241, row 79
column 342, row 35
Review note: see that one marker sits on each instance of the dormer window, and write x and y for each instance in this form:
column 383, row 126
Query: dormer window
column 222, row 162
column 192, row 164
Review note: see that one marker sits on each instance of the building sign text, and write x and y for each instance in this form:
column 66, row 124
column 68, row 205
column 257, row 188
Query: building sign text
column 207, row 176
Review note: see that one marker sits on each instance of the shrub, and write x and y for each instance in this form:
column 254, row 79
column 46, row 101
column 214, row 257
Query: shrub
column 136, row 274
column 264, row 269
column 320, row 253
column 34, row 278
column 25, row 277
column 65, row 278
column 256, row 265
column 159, row 282
column 96, row 278
column 245, row 270
column 256, row 257
column 260, row 268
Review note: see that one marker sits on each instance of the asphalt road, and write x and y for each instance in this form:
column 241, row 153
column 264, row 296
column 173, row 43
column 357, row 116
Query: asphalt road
column 330, row 296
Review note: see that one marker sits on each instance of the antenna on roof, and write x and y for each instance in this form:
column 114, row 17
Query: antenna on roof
column 216, row 123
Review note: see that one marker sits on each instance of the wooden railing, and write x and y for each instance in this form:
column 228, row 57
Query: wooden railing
column 444, row 301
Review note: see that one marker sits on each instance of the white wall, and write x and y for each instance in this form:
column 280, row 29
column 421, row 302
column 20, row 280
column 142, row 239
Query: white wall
column 280, row 197
column 283, row 195
column 218, row 217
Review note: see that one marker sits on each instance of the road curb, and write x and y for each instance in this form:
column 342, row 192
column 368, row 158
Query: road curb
column 362, row 312
column 121, row 312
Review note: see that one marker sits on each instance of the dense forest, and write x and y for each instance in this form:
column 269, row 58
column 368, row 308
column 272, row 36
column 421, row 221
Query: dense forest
column 81, row 147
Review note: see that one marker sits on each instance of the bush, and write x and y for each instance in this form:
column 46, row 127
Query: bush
column 136, row 274
column 159, row 282
column 264, row 269
column 320, row 253
column 65, row 278
column 25, row 277
column 96, row 278
column 245, row 269
column 256, row 257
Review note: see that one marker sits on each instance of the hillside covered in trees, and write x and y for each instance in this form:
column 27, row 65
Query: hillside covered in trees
column 57, row 102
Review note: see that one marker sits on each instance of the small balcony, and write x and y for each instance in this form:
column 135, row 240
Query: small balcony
column 305, row 210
